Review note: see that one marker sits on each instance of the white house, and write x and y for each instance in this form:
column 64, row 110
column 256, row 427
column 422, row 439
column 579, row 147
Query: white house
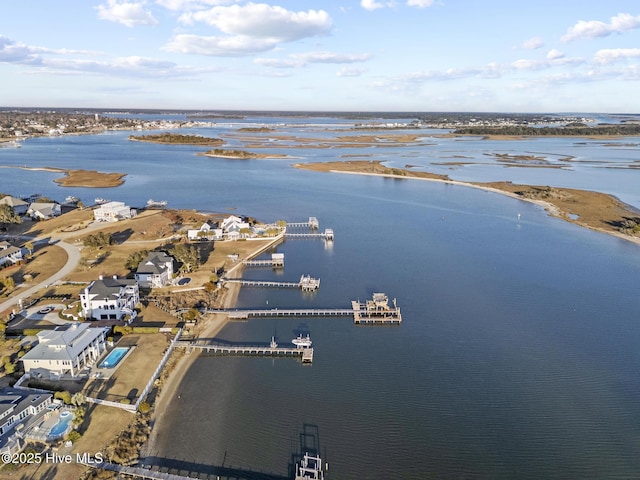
column 113, row 211
column 232, row 227
column 19, row 407
column 110, row 298
column 155, row 271
column 66, row 350
column 205, row 231
column 43, row 211
column 10, row 254
column 19, row 207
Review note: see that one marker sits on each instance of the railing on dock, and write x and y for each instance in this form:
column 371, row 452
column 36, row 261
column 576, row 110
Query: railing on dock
column 306, row 283
column 306, row 354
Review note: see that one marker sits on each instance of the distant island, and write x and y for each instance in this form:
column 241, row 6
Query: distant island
column 239, row 154
column 256, row 129
column 569, row 130
column 177, row 139
column 81, row 178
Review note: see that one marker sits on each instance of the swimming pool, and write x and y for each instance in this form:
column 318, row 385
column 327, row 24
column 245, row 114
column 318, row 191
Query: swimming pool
column 60, row 428
column 114, row 357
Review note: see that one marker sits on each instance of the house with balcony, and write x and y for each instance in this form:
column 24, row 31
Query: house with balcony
column 155, row 271
column 19, row 408
column 113, row 211
column 110, row 298
column 66, row 350
column 10, row 254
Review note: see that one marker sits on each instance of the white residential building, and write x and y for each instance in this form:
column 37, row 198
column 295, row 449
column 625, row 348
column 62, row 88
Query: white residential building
column 113, row 211
column 206, row 231
column 110, row 298
column 155, row 271
column 43, row 211
column 19, row 207
column 233, row 227
column 66, row 350
column 19, row 407
column 10, row 254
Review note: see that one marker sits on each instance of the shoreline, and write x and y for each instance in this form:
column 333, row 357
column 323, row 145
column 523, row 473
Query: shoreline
column 551, row 208
column 78, row 177
column 212, row 327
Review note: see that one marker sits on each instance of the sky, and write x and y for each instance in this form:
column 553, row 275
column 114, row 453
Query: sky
column 328, row 55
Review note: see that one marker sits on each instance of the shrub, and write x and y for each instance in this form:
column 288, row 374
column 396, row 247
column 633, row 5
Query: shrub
column 9, row 368
column 64, row 395
column 144, row 407
column 73, row 436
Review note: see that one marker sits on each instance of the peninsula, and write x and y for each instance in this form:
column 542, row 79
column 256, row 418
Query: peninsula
column 177, row 139
column 594, row 210
column 81, row 178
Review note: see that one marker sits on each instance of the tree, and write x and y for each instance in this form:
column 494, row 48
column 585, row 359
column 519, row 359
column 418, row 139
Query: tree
column 7, row 215
column 135, row 258
column 189, row 256
column 8, row 283
column 29, row 246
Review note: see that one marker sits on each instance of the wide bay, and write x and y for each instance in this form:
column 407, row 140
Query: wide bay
column 517, row 357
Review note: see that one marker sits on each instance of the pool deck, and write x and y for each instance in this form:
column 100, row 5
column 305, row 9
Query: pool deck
column 103, row 373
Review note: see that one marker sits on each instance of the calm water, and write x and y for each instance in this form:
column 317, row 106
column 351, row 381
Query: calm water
column 518, row 354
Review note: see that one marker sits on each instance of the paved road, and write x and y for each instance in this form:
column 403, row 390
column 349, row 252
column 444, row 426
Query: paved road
column 73, row 257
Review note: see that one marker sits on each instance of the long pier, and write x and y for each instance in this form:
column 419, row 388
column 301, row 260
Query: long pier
column 312, row 223
column 306, row 283
column 276, row 261
column 290, row 312
column 327, row 234
column 306, row 354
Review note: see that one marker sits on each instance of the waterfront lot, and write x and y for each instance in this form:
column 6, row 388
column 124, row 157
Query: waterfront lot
column 129, row 379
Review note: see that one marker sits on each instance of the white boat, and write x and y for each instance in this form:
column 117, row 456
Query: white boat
column 301, row 341
column 156, row 204
column 100, row 201
column 273, row 343
column 71, row 199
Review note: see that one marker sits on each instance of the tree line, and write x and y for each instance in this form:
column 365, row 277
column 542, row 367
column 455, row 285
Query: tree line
column 621, row 129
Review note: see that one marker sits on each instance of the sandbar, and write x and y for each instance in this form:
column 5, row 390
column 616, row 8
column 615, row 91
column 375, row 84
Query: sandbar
column 80, row 178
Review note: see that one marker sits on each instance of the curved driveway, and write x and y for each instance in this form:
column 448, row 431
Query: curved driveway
column 73, row 257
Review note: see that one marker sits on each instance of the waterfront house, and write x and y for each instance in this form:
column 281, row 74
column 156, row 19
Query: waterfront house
column 66, row 350
column 43, row 211
column 19, row 206
column 110, row 298
column 19, row 408
column 10, row 254
column 155, row 271
column 234, row 227
column 205, row 232
column 113, row 211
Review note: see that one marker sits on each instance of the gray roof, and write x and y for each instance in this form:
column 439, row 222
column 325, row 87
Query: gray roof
column 18, row 400
column 155, row 263
column 64, row 343
column 12, row 201
column 5, row 252
column 109, row 287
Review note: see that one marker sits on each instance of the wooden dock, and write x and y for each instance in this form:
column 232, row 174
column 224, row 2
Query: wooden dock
column 312, row 223
column 276, row 261
column 306, row 283
column 291, row 312
column 327, row 234
column 273, row 350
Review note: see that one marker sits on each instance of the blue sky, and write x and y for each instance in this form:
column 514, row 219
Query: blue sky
column 360, row 55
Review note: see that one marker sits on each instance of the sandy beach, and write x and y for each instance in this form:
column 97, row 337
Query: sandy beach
column 209, row 328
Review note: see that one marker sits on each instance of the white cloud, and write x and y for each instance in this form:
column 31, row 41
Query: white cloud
column 532, row 43
column 420, row 3
column 595, row 28
column 264, row 21
column 554, row 54
column 183, row 5
column 612, row 55
column 298, row 60
column 350, row 72
column 371, row 5
column 236, row 46
column 126, row 13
